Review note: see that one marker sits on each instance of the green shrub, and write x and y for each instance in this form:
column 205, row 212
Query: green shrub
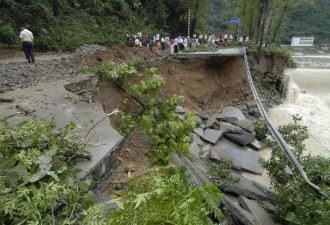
column 297, row 202
column 167, row 196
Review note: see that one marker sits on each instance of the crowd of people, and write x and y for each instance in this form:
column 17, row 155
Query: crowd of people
column 180, row 43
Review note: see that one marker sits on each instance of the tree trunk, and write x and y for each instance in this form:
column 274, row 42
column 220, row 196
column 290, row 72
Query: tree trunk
column 194, row 17
column 260, row 14
column 251, row 21
column 264, row 18
column 279, row 24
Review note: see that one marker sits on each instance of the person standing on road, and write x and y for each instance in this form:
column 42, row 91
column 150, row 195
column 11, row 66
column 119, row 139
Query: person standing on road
column 176, row 43
column 26, row 37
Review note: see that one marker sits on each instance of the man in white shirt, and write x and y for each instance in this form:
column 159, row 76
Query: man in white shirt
column 176, row 43
column 26, row 37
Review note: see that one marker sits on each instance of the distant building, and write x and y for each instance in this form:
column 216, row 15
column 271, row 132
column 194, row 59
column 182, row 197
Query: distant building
column 302, row 41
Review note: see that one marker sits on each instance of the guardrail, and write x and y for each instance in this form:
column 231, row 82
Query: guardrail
column 277, row 136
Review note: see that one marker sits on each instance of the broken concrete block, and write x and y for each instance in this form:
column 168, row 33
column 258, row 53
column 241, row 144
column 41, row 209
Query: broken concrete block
column 212, row 135
column 245, row 160
column 256, row 145
column 197, row 176
column 203, row 116
column 199, row 132
column 196, row 139
column 194, row 149
column 244, row 138
column 243, row 216
column 212, row 121
column 198, row 120
column 231, row 120
column 245, row 124
column 246, row 188
column 233, row 112
column 258, row 212
column 228, row 127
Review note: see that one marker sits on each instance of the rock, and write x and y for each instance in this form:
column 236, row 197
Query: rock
column 206, row 151
column 242, row 158
column 258, row 212
column 245, row 124
column 194, row 149
column 243, row 216
column 203, row 126
column 242, row 107
column 180, row 109
column 228, row 127
column 198, row 120
column 199, row 132
column 269, row 207
column 246, row 188
column 212, row 136
column 231, row 120
column 196, row 139
column 203, row 116
column 264, row 189
column 88, row 49
column 256, row 145
column 232, row 112
column 197, row 176
column 212, row 122
column 244, row 139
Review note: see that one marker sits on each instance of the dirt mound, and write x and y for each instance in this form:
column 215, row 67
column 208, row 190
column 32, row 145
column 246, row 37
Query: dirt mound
column 208, row 85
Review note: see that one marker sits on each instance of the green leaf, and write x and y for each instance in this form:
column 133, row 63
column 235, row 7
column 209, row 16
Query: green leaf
column 290, row 216
column 53, row 175
column 6, row 163
column 21, row 170
column 38, row 176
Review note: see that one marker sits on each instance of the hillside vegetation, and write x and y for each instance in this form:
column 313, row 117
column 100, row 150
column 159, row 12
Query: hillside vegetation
column 66, row 24
column 283, row 18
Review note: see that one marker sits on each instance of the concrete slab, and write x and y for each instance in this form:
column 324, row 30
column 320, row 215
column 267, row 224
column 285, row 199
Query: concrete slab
column 258, row 212
column 199, row 131
column 198, row 177
column 232, row 112
column 194, row 149
column 244, row 138
column 212, row 122
column 212, row 135
column 196, row 139
column 228, row 127
column 246, row 188
column 245, row 124
column 240, row 214
column 49, row 100
column 243, row 158
column 256, row 145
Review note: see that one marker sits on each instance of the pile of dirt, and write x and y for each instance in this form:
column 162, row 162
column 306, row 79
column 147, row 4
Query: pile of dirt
column 208, row 85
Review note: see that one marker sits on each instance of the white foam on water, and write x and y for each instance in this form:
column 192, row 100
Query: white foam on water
column 309, row 96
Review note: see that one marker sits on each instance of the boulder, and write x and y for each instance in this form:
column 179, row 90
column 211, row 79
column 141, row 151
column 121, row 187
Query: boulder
column 245, row 124
column 228, row 127
column 258, row 212
column 244, row 138
column 212, row 135
column 232, row 112
column 242, row 158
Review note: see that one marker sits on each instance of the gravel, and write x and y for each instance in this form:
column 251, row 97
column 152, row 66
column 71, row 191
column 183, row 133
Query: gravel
column 88, row 49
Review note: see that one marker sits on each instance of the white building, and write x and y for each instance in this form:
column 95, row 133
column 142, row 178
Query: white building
column 302, row 41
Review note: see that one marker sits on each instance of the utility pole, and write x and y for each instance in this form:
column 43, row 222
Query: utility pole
column 189, row 22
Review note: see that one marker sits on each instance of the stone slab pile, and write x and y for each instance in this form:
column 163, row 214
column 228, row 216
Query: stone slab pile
column 230, row 135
